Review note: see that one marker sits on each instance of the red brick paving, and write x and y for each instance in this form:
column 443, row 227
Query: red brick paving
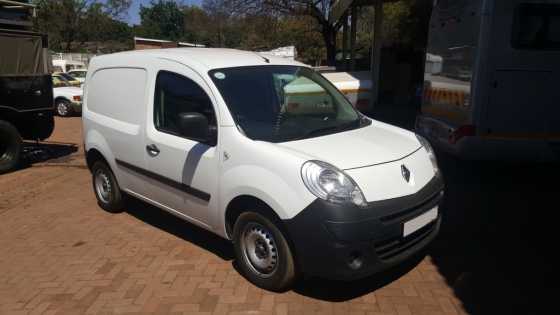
column 61, row 254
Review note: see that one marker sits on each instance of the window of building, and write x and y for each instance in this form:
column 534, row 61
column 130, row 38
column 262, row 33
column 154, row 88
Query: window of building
column 537, row 27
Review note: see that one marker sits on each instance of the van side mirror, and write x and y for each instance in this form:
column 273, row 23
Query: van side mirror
column 194, row 126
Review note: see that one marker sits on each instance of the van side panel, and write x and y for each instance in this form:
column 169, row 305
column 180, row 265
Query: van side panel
column 525, row 70
column 116, row 110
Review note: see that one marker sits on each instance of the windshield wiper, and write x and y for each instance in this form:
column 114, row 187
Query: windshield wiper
column 328, row 128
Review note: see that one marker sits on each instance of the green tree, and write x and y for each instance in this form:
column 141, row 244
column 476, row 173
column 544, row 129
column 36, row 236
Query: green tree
column 317, row 10
column 197, row 25
column 117, row 8
column 71, row 23
column 61, row 19
column 162, row 19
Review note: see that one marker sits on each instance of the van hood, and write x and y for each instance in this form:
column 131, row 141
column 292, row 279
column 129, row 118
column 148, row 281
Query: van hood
column 371, row 145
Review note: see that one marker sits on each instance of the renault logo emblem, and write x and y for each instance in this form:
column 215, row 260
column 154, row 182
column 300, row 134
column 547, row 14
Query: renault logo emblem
column 405, row 173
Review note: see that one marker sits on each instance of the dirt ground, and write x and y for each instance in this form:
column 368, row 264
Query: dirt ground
column 61, row 254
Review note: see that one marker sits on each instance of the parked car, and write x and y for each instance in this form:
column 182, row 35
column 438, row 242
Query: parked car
column 79, row 74
column 67, row 98
column 64, row 79
column 262, row 151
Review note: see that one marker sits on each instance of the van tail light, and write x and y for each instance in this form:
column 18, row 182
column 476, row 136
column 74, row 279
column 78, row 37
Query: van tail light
column 461, row 132
column 77, row 98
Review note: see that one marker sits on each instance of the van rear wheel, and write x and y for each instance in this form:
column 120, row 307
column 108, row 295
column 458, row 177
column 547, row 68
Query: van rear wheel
column 106, row 188
column 262, row 253
column 11, row 146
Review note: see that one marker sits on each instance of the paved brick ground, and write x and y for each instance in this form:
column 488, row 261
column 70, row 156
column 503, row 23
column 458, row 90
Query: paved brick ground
column 61, row 254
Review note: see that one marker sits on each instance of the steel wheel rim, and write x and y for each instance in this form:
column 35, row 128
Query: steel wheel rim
column 62, row 108
column 102, row 186
column 259, row 250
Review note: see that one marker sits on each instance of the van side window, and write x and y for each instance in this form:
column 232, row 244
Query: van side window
column 176, row 94
column 536, row 27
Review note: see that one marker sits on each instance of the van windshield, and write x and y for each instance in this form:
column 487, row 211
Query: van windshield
column 284, row 103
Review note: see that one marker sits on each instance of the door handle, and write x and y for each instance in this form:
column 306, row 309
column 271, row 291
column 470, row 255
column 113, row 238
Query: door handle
column 152, row 150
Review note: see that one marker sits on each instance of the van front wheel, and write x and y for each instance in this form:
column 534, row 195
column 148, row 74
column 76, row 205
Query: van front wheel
column 106, row 188
column 262, row 253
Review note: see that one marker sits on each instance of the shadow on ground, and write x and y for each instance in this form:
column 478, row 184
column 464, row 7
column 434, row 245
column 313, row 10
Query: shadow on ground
column 497, row 245
column 323, row 289
column 341, row 291
column 180, row 228
column 39, row 152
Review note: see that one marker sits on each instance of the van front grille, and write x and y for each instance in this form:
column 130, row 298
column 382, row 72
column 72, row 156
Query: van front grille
column 392, row 248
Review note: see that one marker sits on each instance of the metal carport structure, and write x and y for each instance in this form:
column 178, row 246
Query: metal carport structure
column 340, row 12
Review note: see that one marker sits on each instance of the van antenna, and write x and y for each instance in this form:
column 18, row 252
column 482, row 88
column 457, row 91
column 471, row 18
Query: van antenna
column 263, row 57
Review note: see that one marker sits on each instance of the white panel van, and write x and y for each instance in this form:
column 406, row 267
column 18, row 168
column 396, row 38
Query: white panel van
column 494, row 94
column 262, row 151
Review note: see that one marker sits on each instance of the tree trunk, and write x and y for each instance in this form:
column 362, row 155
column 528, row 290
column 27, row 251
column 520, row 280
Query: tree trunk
column 329, row 36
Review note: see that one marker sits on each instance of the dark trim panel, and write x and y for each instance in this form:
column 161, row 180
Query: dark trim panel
column 166, row 181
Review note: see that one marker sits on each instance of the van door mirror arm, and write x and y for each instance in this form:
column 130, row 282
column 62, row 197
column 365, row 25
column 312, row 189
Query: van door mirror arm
column 195, row 126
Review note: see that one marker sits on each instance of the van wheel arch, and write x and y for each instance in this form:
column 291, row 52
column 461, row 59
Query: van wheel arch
column 247, row 203
column 92, row 156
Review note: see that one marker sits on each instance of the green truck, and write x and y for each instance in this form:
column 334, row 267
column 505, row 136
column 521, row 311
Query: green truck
column 26, row 92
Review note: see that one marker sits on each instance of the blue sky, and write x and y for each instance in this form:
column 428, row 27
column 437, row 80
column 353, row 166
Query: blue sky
column 134, row 18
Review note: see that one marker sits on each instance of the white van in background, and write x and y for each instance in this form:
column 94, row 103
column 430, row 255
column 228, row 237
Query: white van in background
column 265, row 152
column 491, row 80
column 61, row 65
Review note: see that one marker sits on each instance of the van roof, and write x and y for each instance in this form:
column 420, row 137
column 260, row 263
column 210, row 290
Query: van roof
column 208, row 58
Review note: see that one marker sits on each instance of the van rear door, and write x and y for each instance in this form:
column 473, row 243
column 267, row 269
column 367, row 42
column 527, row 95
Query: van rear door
column 524, row 69
column 451, row 67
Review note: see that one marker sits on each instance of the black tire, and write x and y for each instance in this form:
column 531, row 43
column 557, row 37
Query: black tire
column 11, row 146
column 106, row 189
column 63, row 108
column 282, row 275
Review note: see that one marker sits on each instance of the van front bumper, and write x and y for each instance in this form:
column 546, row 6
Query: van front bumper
column 345, row 242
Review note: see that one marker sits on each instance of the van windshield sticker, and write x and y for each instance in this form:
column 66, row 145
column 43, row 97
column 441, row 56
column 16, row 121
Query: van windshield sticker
column 220, row 75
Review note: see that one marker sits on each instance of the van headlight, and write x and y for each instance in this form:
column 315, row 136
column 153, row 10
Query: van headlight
column 431, row 154
column 329, row 183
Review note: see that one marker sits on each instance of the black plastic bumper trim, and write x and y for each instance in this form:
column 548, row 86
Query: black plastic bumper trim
column 166, row 181
column 326, row 236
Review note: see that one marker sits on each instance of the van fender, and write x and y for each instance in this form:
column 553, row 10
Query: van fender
column 285, row 195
